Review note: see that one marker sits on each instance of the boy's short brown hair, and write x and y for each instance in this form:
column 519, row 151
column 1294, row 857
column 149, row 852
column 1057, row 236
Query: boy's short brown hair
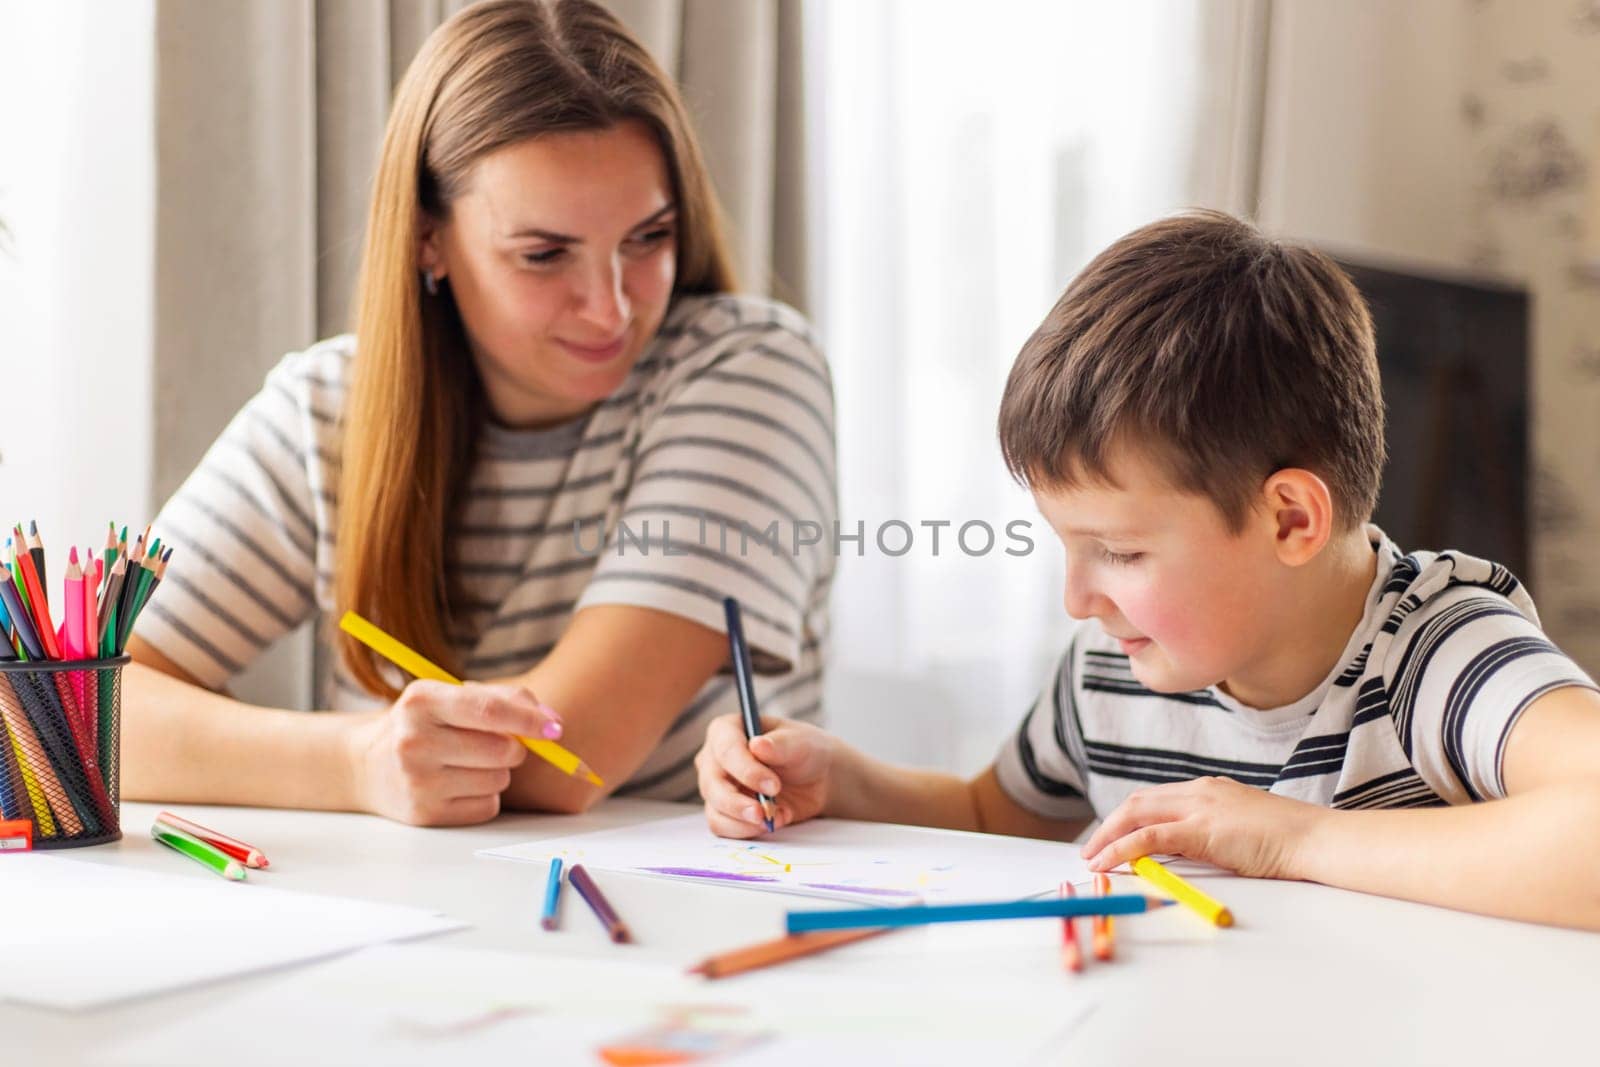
column 1219, row 354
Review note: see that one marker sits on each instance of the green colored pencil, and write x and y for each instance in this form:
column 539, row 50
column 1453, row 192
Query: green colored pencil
column 198, row 850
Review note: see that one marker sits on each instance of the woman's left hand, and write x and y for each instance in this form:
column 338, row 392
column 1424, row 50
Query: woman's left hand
column 1214, row 820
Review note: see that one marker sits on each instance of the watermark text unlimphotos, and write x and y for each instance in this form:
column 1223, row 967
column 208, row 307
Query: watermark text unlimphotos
column 895, row 537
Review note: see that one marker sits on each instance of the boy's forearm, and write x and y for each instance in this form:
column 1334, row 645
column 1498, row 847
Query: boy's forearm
column 1533, row 857
column 181, row 743
column 866, row 788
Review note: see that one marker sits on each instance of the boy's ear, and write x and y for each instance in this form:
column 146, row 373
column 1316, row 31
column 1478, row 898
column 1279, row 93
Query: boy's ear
column 1300, row 509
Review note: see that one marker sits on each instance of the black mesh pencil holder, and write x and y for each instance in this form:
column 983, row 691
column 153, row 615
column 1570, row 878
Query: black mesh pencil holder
column 59, row 748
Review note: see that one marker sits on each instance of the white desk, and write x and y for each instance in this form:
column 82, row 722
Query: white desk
column 1310, row 975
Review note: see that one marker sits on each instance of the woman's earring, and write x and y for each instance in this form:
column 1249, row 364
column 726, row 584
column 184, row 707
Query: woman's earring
column 430, row 283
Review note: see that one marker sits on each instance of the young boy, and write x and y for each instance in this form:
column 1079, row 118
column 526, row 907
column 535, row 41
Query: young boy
column 1263, row 679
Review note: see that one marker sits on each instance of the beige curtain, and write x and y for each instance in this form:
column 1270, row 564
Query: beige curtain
column 1225, row 163
column 269, row 115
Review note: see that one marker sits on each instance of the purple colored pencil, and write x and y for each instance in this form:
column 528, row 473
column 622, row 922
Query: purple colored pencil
column 579, row 879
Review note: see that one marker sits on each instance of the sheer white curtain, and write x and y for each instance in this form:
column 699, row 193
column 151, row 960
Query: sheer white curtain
column 965, row 166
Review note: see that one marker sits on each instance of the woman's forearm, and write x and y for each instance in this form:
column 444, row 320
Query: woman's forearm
column 182, row 743
column 1533, row 857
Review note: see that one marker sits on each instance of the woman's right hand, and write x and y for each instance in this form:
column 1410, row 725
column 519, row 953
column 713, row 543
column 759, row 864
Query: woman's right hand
column 791, row 763
column 443, row 754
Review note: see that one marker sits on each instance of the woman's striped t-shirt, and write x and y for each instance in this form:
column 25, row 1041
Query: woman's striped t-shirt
column 707, row 474
column 1447, row 655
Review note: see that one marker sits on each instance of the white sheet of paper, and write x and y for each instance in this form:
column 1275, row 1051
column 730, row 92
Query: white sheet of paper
column 835, row 859
column 93, row 934
column 423, row 1004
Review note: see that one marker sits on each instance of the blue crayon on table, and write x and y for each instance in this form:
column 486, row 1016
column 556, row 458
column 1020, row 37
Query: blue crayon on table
column 800, row 922
column 552, row 894
column 744, row 680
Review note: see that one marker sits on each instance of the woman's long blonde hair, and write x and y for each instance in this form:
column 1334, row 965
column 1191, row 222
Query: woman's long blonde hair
column 495, row 74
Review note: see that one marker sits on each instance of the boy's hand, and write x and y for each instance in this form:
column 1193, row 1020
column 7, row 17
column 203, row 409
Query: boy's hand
column 1214, row 820
column 790, row 763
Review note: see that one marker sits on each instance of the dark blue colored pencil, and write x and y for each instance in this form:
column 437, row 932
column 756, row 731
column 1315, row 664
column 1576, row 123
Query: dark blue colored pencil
column 745, row 682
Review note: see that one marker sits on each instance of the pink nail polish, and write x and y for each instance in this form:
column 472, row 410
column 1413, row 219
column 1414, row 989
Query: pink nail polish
column 552, row 727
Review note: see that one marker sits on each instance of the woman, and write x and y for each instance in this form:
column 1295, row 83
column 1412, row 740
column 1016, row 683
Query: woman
column 547, row 357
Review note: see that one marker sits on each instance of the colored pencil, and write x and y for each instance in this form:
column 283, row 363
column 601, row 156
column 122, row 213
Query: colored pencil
column 16, row 574
column 1185, row 893
column 744, row 679
column 63, row 744
column 1104, row 934
column 74, row 647
column 27, row 636
column 14, row 800
column 51, row 796
column 39, row 604
column 130, row 588
column 197, row 850
column 552, row 895
column 108, row 555
column 91, row 606
column 89, row 681
column 19, row 732
column 12, row 644
column 780, row 950
column 36, row 550
column 147, row 587
column 248, row 855
column 108, row 606
column 800, row 922
column 1071, row 951
column 415, row 664
column 616, row 929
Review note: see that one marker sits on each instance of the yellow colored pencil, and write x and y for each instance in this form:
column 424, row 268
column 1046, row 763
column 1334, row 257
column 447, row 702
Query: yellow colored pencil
column 30, row 784
column 420, row 666
column 1202, row 904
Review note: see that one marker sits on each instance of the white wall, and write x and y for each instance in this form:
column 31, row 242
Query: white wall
column 1364, row 148
column 77, row 176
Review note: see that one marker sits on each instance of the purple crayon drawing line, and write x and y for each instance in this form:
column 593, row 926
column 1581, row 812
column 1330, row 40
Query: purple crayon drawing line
column 696, row 872
column 865, row 889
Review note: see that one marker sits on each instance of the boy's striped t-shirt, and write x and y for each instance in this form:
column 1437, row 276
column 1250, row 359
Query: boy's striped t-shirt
column 707, row 474
column 1446, row 657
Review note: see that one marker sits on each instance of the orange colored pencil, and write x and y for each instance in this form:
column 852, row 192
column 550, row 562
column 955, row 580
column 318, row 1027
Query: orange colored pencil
column 1071, row 951
column 780, row 950
column 1104, row 934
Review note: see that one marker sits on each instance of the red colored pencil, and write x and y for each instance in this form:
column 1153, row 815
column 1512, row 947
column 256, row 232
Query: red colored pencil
column 1071, row 951
column 248, row 855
